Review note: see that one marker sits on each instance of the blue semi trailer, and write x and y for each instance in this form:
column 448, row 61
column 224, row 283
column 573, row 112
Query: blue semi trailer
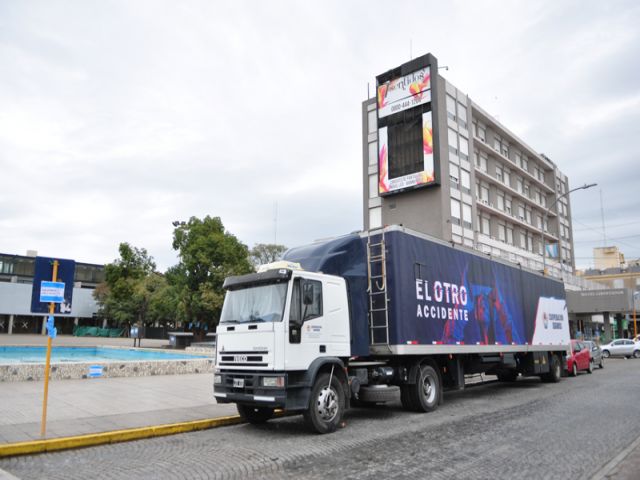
column 373, row 316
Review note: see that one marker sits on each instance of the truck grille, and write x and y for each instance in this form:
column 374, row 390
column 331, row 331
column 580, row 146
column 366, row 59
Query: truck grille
column 243, row 359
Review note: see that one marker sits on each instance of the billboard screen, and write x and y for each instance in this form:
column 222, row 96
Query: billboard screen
column 406, row 116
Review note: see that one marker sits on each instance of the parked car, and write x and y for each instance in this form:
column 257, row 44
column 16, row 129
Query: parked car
column 596, row 353
column 579, row 358
column 622, row 347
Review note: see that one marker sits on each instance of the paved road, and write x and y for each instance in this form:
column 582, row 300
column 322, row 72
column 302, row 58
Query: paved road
column 495, row 431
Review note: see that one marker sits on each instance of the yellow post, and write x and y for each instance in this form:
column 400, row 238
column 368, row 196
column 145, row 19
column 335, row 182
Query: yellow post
column 52, row 306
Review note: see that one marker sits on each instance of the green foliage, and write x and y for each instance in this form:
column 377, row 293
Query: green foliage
column 263, row 253
column 208, row 254
column 118, row 297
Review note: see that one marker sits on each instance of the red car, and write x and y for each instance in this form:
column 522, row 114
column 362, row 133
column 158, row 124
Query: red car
column 579, row 358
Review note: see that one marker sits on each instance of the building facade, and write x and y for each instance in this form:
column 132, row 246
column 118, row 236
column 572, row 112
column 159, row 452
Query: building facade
column 481, row 187
column 16, row 280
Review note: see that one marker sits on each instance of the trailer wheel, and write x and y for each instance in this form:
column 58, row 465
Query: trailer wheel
column 254, row 415
column 378, row 393
column 326, row 405
column 555, row 370
column 425, row 394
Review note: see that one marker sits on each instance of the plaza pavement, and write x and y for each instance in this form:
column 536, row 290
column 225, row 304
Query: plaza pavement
column 97, row 405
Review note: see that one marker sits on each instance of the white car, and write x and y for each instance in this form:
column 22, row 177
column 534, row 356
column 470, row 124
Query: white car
column 623, row 347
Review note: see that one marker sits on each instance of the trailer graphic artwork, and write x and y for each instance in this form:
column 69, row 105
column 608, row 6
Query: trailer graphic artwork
column 465, row 299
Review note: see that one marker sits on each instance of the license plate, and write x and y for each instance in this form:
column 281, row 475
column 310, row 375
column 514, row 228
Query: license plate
column 238, row 382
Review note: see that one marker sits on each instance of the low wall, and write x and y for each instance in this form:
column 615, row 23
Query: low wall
column 68, row 371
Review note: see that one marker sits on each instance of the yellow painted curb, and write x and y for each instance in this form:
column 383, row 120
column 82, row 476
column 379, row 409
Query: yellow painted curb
column 115, row 436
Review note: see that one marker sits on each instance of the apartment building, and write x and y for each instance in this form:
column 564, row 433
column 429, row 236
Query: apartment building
column 481, row 185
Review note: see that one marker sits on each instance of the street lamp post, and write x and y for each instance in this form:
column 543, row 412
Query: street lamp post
column 546, row 217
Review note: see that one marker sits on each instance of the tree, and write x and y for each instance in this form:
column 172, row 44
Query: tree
column 117, row 296
column 263, row 253
column 208, row 254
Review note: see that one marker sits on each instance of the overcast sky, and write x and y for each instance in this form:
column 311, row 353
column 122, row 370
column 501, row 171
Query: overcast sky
column 119, row 117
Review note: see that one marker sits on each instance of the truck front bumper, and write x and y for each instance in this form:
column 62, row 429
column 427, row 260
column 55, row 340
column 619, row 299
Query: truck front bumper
column 248, row 388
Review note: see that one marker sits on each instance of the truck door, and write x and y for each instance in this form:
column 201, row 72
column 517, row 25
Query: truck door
column 318, row 322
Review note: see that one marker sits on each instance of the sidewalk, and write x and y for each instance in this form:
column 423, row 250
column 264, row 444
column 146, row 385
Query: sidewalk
column 79, row 407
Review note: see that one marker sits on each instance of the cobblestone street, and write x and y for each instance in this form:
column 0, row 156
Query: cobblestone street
column 494, row 431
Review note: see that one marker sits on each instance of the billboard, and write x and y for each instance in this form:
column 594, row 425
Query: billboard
column 406, row 117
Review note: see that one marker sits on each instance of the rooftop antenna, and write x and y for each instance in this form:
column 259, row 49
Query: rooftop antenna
column 604, row 232
column 275, row 223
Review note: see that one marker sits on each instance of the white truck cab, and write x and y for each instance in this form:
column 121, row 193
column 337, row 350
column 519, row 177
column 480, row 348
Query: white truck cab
column 278, row 328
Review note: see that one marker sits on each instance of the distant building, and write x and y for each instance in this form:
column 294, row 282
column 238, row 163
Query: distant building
column 437, row 162
column 16, row 279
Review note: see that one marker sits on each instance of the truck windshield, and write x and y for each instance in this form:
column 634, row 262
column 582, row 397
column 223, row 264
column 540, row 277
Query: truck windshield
column 264, row 303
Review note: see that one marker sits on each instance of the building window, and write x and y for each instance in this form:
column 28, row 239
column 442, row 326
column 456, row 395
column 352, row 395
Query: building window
column 507, row 177
column 499, row 173
column 528, row 216
column 466, row 216
column 453, row 141
column 507, row 204
column 484, row 194
column 497, row 142
column 482, row 133
column 539, row 221
column 502, row 232
column 525, row 164
column 373, row 186
column 465, row 181
column 526, row 189
column 372, row 121
column 505, row 149
column 462, row 115
column 455, row 211
column 453, row 176
column 451, row 107
column 481, row 162
column 521, row 212
column 519, row 187
column 500, row 200
column 485, row 225
column 518, row 159
column 523, row 240
column 510, row 235
column 464, row 148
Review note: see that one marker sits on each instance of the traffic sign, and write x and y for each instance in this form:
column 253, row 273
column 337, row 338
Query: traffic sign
column 43, row 275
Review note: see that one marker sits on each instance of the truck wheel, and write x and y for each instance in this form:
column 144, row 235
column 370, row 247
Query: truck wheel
column 555, row 370
column 425, row 394
column 406, row 398
column 326, row 405
column 254, row 415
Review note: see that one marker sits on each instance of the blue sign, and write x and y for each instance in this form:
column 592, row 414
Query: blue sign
column 52, row 292
column 43, row 275
column 95, row 371
column 52, row 331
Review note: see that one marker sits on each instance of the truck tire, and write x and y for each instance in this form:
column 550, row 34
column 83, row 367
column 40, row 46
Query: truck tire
column 378, row 393
column 555, row 370
column 406, row 399
column 326, row 405
column 254, row 415
column 425, row 394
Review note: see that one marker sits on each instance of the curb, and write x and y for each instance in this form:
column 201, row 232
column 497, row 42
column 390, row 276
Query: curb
column 115, row 436
column 617, row 460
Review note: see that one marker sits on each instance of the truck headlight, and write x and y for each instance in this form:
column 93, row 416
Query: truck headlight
column 273, row 381
column 217, row 379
